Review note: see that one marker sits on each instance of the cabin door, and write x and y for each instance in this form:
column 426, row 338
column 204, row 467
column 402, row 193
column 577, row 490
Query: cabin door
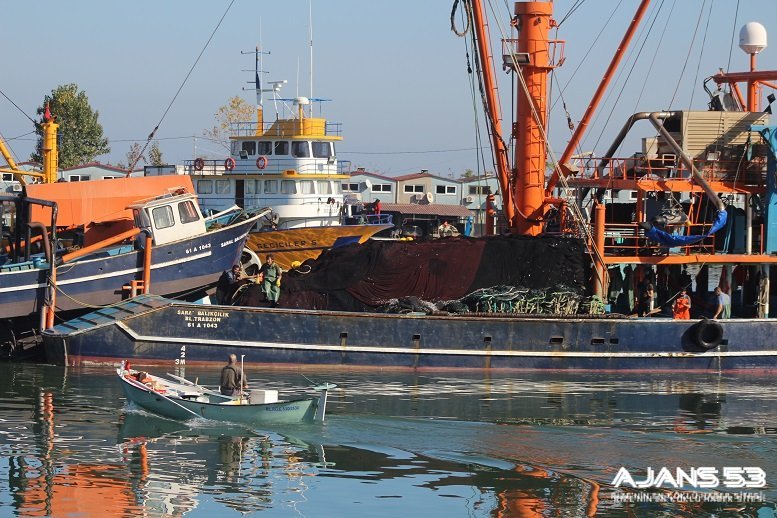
column 240, row 193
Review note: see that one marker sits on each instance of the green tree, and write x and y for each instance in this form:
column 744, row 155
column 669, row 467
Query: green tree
column 81, row 137
column 237, row 109
column 155, row 154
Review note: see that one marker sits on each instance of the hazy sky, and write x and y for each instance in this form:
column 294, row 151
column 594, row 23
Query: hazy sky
column 396, row 74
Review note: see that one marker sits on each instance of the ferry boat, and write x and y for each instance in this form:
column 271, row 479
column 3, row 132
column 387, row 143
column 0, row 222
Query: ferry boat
column 697, row 212
column 291, row 165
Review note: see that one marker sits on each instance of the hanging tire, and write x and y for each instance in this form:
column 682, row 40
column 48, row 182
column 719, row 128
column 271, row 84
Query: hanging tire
column 708, row 334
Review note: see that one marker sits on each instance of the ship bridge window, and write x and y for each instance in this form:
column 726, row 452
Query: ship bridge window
column 322, row 149
column 324, row 187
column 222, row 186
column 271, row 186
column 187, row 212
column 282, row 148
column 162, row 216
column 249, row 186
column 300, row 149
column 205, row 187
column 249, row 147
column 306, row 187
column 288, row 187
column 264, row 148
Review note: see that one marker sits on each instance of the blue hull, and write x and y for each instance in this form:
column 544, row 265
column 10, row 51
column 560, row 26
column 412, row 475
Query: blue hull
column 98, row 279
column 153, row 330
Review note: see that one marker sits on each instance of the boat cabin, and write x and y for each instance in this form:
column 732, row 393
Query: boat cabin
column 170, row 218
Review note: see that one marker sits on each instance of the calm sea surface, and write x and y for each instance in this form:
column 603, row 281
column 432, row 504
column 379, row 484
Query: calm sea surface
column 414, row 444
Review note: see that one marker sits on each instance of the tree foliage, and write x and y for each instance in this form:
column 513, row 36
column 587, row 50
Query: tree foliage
column 134, row 155
column 81, row 137
column 237, row 109
column 155, row 154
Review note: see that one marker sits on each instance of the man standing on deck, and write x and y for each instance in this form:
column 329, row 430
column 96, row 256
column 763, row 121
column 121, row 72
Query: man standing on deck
column 227, row 285
column 682, row 306
column 723, row 309
column 272, row 280
column 232, row 378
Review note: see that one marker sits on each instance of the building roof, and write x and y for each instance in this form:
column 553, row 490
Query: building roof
column 99, row 166
column 438, row 209
column 374, row 175
column 416, row 176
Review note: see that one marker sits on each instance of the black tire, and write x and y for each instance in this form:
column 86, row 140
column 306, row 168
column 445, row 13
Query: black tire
column 708, row 334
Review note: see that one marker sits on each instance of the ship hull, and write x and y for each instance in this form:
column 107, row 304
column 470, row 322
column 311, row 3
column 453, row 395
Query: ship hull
column 158, row 331
column 98, row 280
column 301, row 244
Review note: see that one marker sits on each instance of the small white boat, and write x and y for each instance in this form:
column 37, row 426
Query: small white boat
column 179, row 398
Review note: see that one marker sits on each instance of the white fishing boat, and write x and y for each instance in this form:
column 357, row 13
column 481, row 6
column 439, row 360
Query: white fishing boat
column 178, row 398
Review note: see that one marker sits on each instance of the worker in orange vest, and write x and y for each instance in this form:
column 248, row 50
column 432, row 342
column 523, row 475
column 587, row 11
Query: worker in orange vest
column 682, row 306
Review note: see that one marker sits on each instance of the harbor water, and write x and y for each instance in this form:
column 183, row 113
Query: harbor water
column 436, row 443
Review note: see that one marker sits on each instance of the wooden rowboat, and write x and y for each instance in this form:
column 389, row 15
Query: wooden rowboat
column 181, row 399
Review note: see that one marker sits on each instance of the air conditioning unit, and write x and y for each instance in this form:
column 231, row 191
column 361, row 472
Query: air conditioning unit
column 468, row 199
column 17, row 187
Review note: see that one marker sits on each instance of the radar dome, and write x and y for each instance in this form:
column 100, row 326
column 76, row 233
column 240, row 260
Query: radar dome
column 302, row 101
column 752, row 38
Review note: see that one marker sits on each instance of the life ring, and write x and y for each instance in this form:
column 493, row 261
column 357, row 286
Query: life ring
column 199, row 164
column 261, row 162
column 229, row 164
column 708, row 334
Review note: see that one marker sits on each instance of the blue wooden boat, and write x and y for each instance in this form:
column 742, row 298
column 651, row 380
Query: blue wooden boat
column 182, row 399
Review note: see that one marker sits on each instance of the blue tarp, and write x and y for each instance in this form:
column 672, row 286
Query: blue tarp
column 667, row 239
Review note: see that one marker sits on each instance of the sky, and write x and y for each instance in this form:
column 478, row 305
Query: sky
column 395, row 73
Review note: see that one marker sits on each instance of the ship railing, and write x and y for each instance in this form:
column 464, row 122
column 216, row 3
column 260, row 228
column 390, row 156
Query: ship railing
column 254, row 129
column 273, row 166
column 668, row 167
column 628, row 239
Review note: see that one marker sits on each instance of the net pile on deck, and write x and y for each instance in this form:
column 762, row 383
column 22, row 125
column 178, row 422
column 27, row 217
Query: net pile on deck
column 514, row 274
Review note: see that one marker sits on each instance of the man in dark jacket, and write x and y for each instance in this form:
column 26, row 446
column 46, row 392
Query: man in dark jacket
column 227, row 285
column 232, row 379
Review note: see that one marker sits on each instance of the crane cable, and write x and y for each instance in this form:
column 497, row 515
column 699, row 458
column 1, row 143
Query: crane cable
column 183, row 83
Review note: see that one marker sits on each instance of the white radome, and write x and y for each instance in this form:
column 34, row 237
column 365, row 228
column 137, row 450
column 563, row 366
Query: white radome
column 752, row 38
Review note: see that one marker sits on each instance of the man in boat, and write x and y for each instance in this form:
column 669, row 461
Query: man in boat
column 232, row 378
column 723, row 309
column 646, row 304
column 272, row 280
column 682, row 306
column 227, row 285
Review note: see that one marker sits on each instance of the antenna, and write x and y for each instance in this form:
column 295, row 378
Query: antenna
column 310, row 33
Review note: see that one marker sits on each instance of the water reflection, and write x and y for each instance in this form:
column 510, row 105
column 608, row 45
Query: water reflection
column 463, row 444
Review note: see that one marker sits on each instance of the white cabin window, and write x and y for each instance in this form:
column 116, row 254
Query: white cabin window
column 78, row 178
column 264, row 148
column 271, row 186
column 322, row 149
column 350, row 187
column 205, row 187
column 249, row 187
column 300, row 149
column 163, row 216
column 282, row 148
column 234, row 148
column 222, row 187
column 7, row 177
column 249, row 147
column 112, row 177
column 187, row 212
column 381, row 187
column 306, row 187
column 324, row 187
column 288, row 187
column 446, row 189
column 414, row 188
